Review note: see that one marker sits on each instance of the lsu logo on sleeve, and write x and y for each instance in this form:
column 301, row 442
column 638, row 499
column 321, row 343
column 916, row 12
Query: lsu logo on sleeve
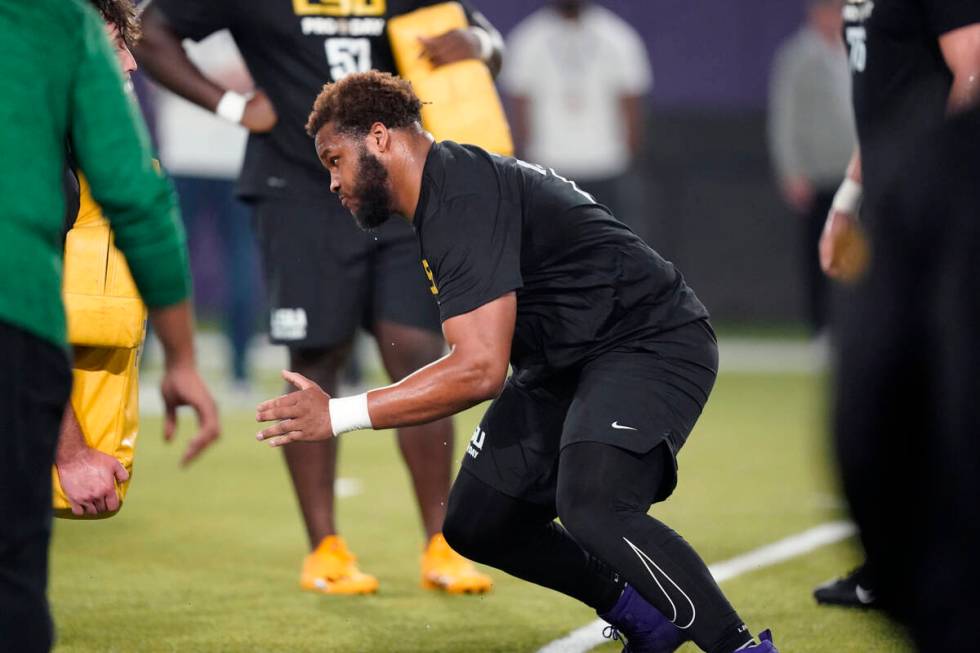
column 428, row 275
column 340, row 7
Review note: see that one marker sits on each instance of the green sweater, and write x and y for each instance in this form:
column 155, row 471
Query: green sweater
column 60, row 84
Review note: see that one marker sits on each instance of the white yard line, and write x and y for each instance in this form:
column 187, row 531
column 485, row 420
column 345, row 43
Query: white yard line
column 589, row 636
column 737, row 354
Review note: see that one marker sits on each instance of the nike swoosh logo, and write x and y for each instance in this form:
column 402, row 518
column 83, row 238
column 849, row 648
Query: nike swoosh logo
column 617, row 425
column 863, row 595
column 674, row 589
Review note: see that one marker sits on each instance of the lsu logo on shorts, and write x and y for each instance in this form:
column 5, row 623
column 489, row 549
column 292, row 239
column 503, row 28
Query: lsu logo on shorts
column 340, row 7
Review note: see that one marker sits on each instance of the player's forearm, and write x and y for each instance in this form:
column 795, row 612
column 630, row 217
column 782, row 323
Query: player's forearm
column 965, row 91
column 961, row 52
column 854, row 167
column 850, row 195
column 496, row 58
column 161, row 53
column 443, row 388
column 71, row 440
column 174, row 326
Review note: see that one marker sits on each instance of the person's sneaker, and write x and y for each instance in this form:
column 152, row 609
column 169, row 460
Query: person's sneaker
column 444, row 569
column 765, row 644
column 332, row 569
column 853, row 590
column 646, row 629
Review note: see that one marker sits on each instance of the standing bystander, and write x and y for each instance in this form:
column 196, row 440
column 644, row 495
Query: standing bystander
column 60, row 83
column 578, row 76
column 811, row 134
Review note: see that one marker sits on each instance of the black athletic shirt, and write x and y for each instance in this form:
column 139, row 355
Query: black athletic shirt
column 900, row 80
column 292, row 48
column 585, row 283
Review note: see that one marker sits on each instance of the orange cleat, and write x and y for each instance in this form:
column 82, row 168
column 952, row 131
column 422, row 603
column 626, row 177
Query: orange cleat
column 332, row 569
column 444, row 569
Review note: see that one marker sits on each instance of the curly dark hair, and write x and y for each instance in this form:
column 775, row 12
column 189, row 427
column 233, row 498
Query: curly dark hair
column 124, row 15
column 358, row 101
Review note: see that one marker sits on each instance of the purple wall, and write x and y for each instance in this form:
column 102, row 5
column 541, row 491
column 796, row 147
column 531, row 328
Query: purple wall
column 705, row 53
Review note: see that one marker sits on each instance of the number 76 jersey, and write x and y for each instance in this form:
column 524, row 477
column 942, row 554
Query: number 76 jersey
column 292, row 48
column 900, row 78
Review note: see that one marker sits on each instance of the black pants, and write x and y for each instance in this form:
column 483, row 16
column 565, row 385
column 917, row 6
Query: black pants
column 908, row 396
column 35, row 381
column 606, row 536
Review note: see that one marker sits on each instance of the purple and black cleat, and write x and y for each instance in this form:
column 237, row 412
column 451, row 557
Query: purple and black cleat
column 646, row 630
column 765, row 644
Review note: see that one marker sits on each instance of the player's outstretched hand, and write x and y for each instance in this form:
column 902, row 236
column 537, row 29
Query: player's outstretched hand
column 260, row 116
column 183, row 386
column 303, row 415
column 455, row 45
column 88, row 478
column 843, row 248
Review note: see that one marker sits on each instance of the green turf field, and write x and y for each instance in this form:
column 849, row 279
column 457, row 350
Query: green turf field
column 207, row 559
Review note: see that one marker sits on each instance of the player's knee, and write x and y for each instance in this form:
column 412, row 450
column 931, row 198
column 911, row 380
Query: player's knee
column 465, row 534
column 585, row 518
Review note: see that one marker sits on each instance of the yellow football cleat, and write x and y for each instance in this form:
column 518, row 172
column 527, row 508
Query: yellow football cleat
column 332, row 569
column 444, row 569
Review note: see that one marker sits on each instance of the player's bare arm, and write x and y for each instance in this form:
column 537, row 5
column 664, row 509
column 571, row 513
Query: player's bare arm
column 87, row 475
column 162, row 54
column 474, row 370
column 480, row 41
column 181, row 384
column 961, row 51
column 843, row 255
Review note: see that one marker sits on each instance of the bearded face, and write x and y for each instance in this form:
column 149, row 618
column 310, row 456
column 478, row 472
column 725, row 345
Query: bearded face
column 372, row 192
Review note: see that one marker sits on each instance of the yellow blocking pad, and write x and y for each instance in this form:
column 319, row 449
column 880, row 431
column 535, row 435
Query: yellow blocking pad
column 460, row 101
column 106, row 324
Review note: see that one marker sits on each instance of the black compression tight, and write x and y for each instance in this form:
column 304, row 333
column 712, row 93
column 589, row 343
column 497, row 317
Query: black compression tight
column 603, row 496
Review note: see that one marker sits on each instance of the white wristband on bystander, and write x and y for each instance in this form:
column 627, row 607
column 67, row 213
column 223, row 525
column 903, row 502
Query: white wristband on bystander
column 231, row 106
column 848, row 197
column 486, row 42
column 349, row 414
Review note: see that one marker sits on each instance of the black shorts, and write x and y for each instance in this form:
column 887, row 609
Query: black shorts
column 634, row 401
column 325, row 277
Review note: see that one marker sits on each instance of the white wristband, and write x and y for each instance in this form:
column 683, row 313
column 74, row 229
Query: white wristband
column 486, row 42
column 231, row 107
column 349, row 414
column 848, row 197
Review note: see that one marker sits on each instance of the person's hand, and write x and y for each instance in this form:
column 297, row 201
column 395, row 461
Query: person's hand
column 455, row 45
column 798, row 193
column 843, row 248
column 303, row 415
column 88, row 478
column 260, row 116
column 183, row 386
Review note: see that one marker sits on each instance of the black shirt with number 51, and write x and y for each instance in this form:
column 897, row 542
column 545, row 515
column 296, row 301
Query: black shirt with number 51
column 292, row 48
